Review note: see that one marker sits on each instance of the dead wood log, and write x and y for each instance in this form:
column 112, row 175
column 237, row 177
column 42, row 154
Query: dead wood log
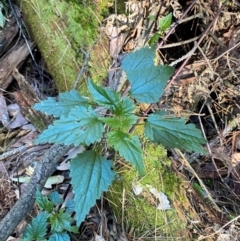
column 25, row 204
column 13, row 60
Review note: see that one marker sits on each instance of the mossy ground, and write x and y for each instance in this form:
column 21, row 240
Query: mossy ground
column 139, row 211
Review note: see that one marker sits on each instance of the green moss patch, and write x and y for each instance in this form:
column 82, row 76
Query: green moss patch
column 61, row 29
column 140, row 211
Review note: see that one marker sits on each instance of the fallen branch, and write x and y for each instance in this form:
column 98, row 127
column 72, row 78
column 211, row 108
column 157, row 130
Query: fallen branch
column 24, row 205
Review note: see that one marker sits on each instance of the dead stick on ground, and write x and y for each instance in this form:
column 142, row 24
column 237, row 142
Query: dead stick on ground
column 24, row 205
column 206, row 31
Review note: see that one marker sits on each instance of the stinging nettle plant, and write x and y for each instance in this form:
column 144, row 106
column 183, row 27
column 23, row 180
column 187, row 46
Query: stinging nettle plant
column 79, row 122
column 52, row 223
column 163, row 25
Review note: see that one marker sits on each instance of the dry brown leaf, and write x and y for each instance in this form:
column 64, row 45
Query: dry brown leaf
column 13, row 239
column 8, row 34
column 18, row 119
column 11, row 61
column 116, row 44
column 4, row 117
column 235, row 160
column 27, row 139
column 237, row 142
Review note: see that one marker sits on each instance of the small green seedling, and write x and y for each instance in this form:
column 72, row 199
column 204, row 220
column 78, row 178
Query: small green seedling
column 163, row 25
column 59, row 221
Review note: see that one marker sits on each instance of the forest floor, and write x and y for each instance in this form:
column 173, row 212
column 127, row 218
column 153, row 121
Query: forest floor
column 203, row 48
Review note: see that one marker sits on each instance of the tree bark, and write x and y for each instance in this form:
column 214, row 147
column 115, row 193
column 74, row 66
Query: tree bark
column 61, row 29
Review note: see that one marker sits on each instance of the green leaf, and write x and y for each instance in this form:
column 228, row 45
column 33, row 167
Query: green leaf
column 73, row 229
column 125, row 107
column 165, row 23
column 120, row 122
column 91, row 175
column 59, row 237
column 110, row 99
column 153, row 39
column 82, row 126
column 60, row 221
column 147, row 81
column 103, row 96
column 70, row 206
column 37, row 229
column 129, row 148
column 55, row 198
column 2, row 18
column 67, row 101
column 140, row 59
column 43, row 202
column 29, row 239
column 147, row 85
column 173, row 132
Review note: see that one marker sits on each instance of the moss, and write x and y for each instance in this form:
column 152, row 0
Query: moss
column 61, row 28
column 39, row 124
column 140, row 210
column 100, row 60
